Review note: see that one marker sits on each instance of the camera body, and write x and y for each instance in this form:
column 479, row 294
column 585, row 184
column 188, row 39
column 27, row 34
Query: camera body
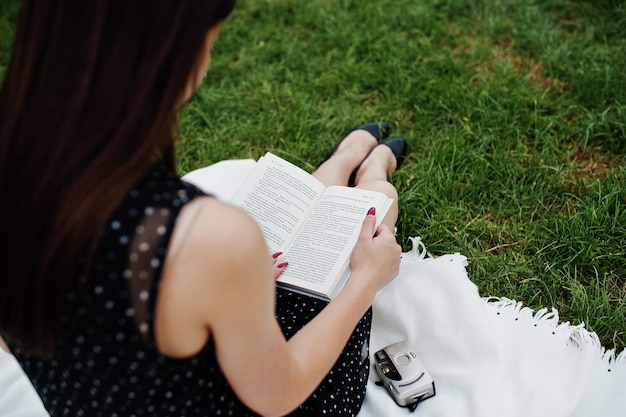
column 403, row 374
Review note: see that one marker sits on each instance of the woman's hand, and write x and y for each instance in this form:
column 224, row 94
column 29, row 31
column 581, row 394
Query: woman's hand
column 375, row 259
column 278, row 265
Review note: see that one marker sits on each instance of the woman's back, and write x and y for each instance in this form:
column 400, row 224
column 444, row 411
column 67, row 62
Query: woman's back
column 109, row 363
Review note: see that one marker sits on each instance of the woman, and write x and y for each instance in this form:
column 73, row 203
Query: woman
column 126, row 291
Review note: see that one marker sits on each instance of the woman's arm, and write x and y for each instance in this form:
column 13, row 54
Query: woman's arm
column 219, row 283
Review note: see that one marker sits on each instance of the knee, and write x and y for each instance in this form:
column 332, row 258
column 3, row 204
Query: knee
column 384, row 187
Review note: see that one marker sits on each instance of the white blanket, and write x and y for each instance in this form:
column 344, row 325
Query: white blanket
column 488, row 356
column 17, row 396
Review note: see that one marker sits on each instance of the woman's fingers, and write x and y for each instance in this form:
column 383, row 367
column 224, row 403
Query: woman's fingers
column 278, row 265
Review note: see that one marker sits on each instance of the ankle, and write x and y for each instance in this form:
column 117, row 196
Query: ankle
column 358, row 140
column 384, row 158
column 378, row 166
column 355, row 147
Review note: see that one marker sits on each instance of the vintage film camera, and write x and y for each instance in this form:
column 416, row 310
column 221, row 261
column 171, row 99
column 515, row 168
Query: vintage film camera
column 403, row 374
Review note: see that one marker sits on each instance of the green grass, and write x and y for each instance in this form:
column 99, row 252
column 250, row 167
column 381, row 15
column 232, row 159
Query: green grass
column 515, row 111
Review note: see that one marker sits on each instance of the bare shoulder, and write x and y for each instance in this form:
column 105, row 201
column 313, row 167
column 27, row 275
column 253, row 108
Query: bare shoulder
column 216, row 250
column 213, row 240
column 207, row 224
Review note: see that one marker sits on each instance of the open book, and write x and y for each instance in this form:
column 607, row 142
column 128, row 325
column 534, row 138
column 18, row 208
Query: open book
column 315, row 227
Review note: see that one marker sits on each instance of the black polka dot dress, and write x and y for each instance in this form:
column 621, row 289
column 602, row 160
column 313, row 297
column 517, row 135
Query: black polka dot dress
column 108, row 364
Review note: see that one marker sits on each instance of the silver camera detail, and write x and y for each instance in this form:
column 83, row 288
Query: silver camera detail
column 403, row 374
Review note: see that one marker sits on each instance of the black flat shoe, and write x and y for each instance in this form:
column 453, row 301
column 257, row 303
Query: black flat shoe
column 399, row 147
column 380, row 130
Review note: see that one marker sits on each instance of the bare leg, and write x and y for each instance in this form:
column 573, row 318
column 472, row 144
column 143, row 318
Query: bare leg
column 373, row 174
column 351, row 151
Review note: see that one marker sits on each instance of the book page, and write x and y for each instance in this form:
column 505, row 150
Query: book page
column 320, row 253
column 279, row 195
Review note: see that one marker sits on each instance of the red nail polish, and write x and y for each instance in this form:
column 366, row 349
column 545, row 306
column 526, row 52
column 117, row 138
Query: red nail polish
column 276, row 255
column 372, row 212
column 282, row 265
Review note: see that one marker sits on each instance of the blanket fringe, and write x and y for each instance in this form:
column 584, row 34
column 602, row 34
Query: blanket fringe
column 418, row 249
column 577, row 335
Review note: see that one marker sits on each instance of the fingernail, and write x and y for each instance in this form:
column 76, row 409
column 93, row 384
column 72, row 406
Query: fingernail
column 276, row 255
column 282, row 265
column 372, row 211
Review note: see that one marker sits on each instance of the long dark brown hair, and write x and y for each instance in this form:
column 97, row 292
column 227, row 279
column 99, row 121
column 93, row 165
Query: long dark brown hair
column 88, row 102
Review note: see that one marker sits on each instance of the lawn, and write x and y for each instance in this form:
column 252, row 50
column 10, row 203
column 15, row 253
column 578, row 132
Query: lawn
column 515, row 113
